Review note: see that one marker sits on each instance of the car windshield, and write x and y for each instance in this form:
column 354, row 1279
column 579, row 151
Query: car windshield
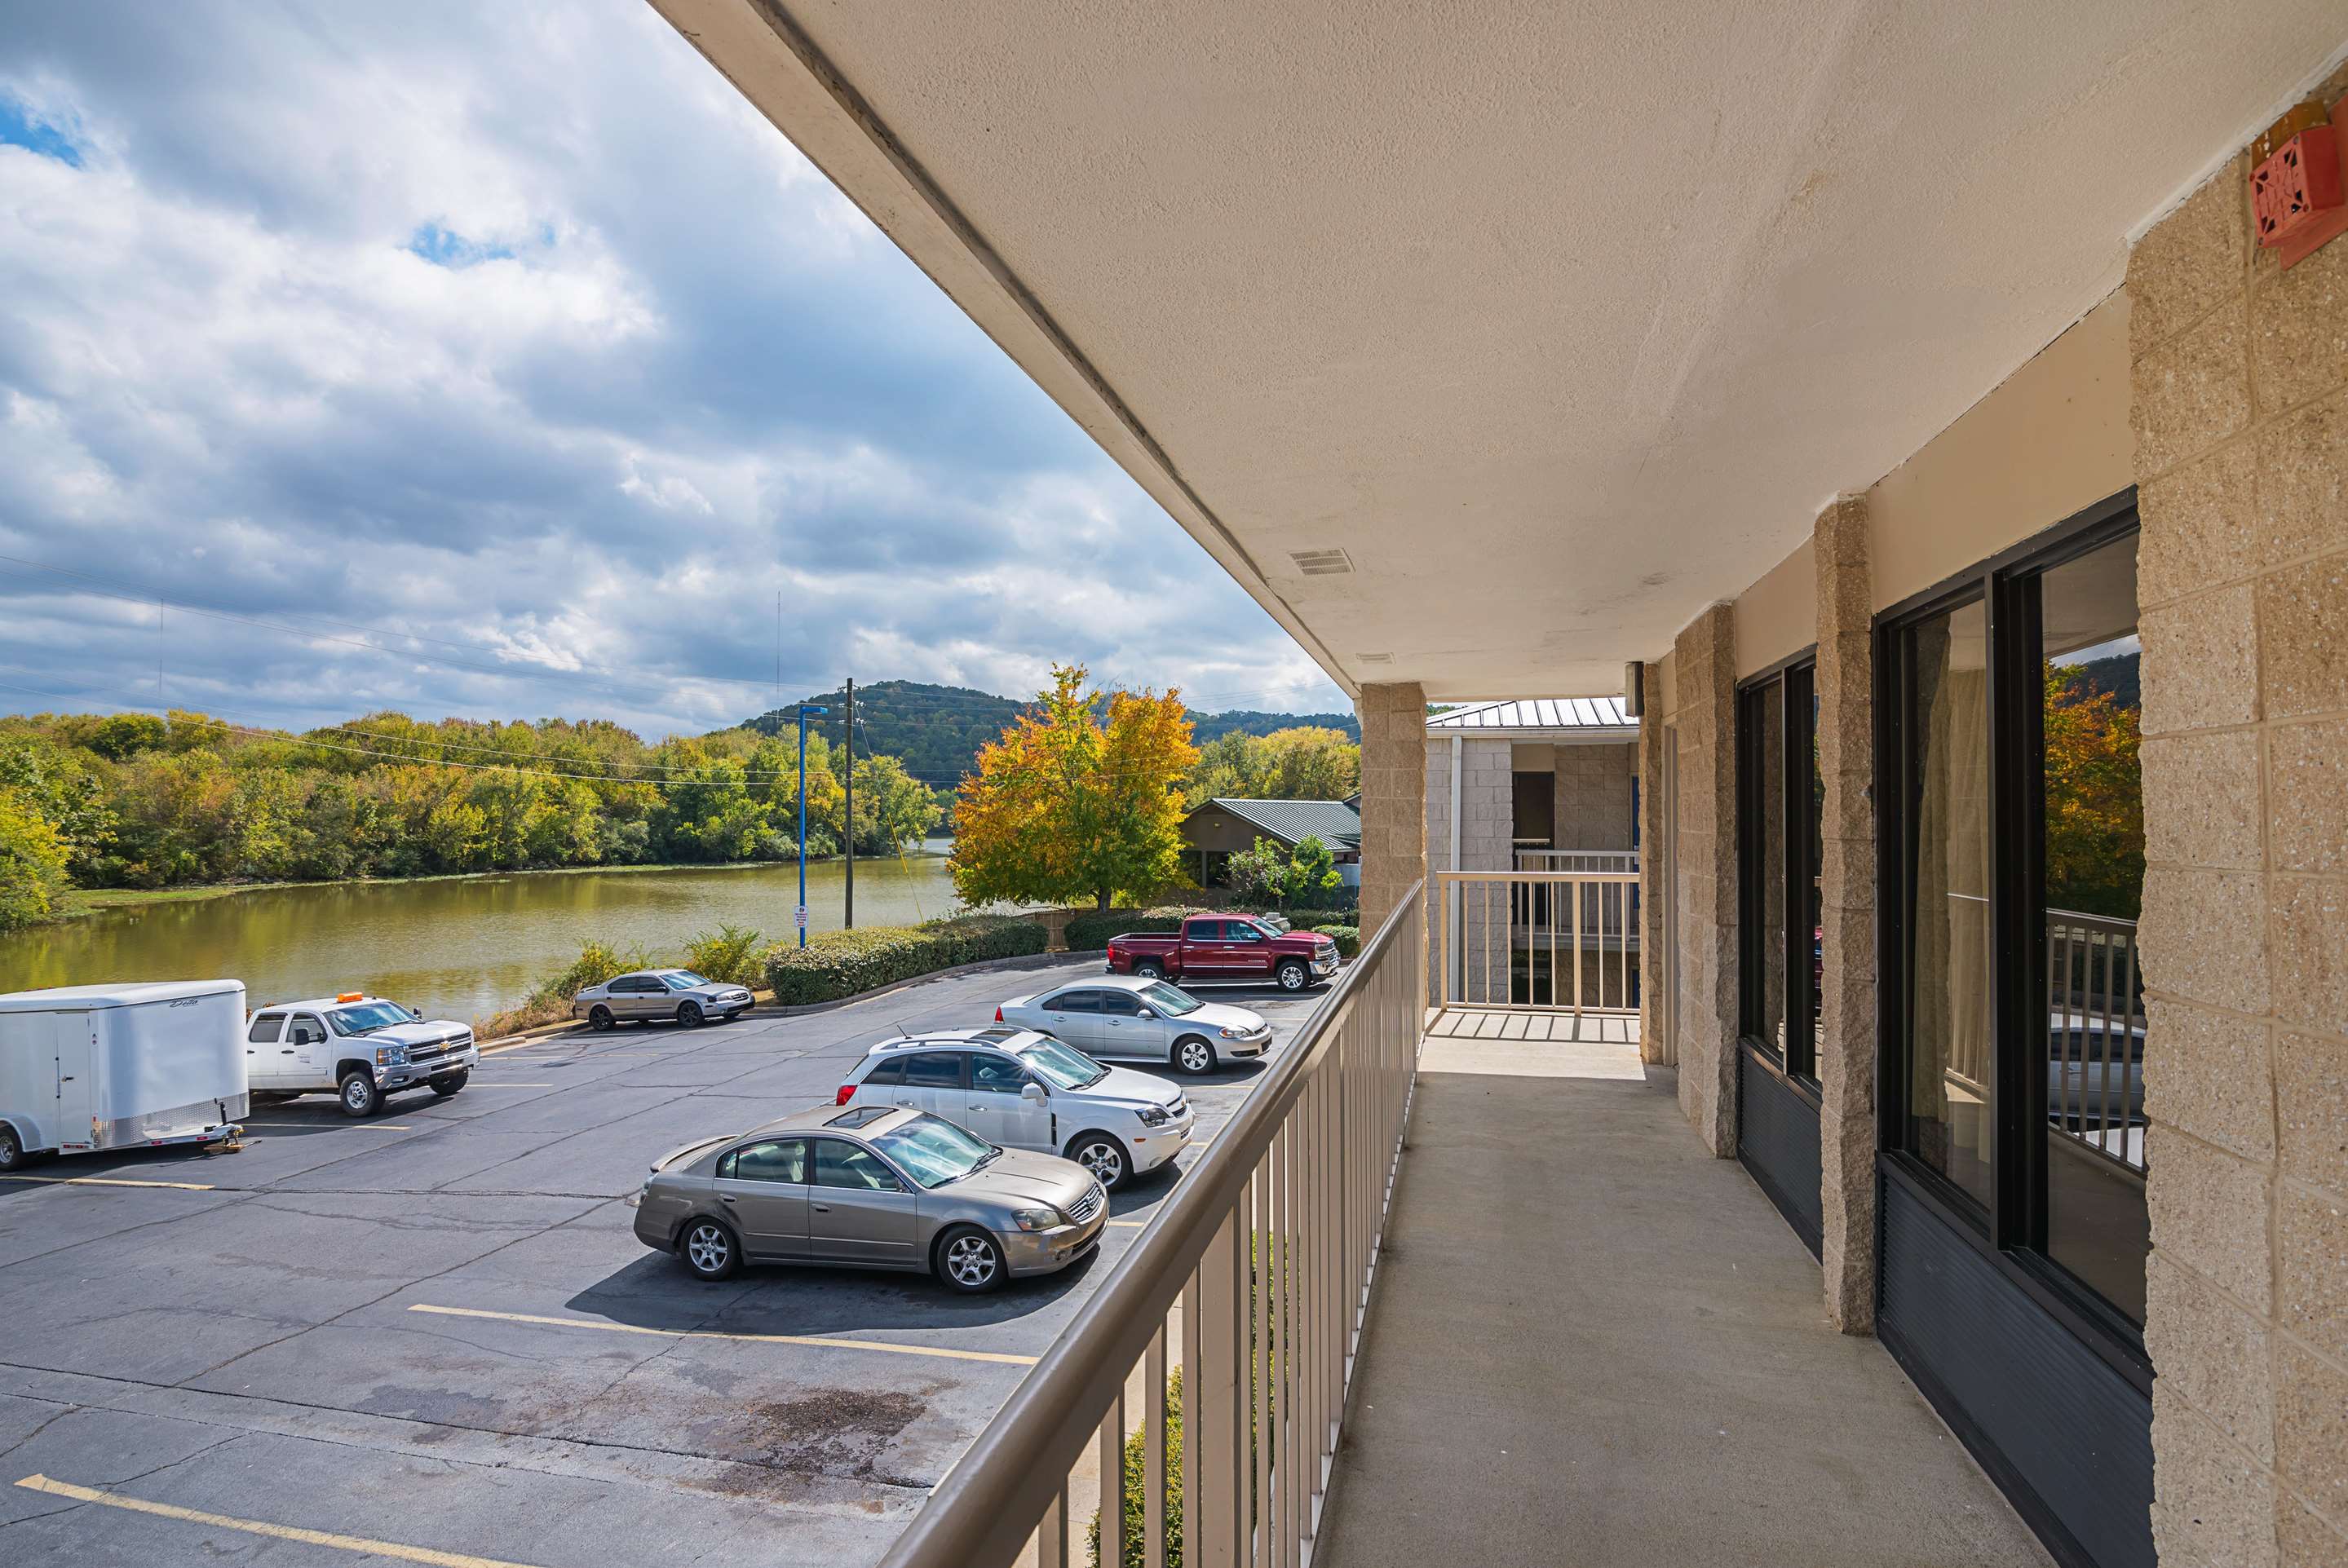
column 366, row 1017
column 1171, row 1000
column 934, row 1152
column 1061, row 1068
column 684, row 979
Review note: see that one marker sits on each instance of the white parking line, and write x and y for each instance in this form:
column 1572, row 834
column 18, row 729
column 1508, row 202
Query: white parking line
column 485, row 1083
column 111, row 1182
column 358, row 1543
column 375, row 1126
column 737, row 1338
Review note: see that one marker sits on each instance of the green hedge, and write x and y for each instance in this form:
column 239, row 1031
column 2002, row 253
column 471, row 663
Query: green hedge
column 1090, row 933
column 1347, row 937
column 846, row 963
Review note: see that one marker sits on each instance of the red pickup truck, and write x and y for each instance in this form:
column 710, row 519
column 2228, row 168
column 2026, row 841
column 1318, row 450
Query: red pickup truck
column 1225, row 947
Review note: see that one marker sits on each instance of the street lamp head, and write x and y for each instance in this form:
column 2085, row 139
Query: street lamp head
column 812, row 708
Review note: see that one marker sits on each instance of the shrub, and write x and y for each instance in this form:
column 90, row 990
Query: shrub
column 1131, row 1539
column 839, row 964
column 1347, row 937
column 551, row 1003
column 1257, row 874
column 729, row 954
column 1089, row 933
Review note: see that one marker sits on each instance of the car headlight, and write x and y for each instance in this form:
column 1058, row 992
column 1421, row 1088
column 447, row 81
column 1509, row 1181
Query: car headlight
column 1037, row 1219
column 1233, row 1033
column 391, row 1056
column 1154, row 1116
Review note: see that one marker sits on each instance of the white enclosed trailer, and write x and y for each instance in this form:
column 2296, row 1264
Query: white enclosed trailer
column 84, row 1068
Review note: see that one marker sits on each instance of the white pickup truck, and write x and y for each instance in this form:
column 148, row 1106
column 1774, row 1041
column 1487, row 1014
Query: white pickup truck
column 356, row 1046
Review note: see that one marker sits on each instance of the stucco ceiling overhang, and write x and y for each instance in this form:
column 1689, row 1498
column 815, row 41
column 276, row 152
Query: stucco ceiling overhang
column 1562, row 321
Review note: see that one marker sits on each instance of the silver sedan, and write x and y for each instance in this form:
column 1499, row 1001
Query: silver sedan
column 1131, row 1017
column 870, row 1187
column 644, row 995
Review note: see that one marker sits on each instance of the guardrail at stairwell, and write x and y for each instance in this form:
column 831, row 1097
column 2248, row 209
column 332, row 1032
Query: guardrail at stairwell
column 1270, row 1245
column 2095, row 1088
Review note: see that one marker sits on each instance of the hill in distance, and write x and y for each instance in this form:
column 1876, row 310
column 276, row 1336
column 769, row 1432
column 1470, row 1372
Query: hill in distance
column 936, row 731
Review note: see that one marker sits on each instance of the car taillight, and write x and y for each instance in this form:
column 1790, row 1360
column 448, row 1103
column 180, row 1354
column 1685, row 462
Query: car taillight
column 847, row 1090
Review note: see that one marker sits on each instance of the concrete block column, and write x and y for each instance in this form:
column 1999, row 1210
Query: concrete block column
column 2238, row 396
column 1704, row 660
column 1394, row 797
column 1846, row 1045
column 1656, row 1044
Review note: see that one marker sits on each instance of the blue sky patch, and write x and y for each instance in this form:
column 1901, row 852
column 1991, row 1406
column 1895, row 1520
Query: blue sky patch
column 19, row 127
column 443, row 247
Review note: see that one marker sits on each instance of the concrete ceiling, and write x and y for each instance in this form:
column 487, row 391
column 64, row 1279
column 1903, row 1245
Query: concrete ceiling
column 1561, row 320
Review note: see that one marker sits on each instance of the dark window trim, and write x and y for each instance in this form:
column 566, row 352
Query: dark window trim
column 1789, row 771
column 1807, row 1090
column 2009, row 1233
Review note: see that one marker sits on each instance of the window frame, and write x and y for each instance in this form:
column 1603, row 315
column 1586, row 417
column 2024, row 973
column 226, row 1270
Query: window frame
column 2010, row 1230
column 1781, row 682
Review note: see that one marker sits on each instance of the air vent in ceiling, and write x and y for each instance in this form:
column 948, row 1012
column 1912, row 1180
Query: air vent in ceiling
column 1321, row 563
column 1375, row 658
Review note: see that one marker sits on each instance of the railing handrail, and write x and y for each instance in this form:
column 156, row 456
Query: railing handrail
column 2113, row 924
column 987, row 1507
column 1543, row 878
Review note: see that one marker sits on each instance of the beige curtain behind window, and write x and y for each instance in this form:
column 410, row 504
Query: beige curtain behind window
column 1949, row 1081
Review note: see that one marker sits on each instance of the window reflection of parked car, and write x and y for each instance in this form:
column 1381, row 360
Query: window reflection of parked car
column 870, row 1187
column 643, row 995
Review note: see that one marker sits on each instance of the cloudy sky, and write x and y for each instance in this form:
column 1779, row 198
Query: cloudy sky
column 502, row 361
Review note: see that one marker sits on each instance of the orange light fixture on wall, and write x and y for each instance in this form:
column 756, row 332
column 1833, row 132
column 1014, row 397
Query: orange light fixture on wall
column 2298, row 197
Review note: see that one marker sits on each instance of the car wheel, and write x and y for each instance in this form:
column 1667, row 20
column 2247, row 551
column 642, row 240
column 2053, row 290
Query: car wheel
column 1103, row 1156
column 689, row 1015
column 599, row 1017
column 709, row 1250
column 359, row 1094
column 12, row 1148
column 1295, row 976
column 446, row 1086
column 971, row 1261
column 1150, row 969
column 1193, row 1055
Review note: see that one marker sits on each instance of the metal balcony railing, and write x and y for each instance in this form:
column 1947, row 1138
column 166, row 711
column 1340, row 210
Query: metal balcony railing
column 1581, row 860
column 2095, row 1047
column 1542, row 940
column 1269, row 1247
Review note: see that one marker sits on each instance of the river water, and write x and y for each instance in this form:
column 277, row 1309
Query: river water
column 455, row 946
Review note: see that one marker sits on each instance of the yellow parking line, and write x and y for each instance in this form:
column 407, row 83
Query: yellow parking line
column 111, row 1182
column 1129, row 1225
column 261, row 1527
column 741, row 1339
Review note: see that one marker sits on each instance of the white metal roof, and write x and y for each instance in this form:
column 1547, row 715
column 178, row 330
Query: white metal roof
column 73, row 999
column 1580, row 718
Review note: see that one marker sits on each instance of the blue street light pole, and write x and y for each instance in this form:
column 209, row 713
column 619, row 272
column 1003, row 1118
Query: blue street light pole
column 805, row 709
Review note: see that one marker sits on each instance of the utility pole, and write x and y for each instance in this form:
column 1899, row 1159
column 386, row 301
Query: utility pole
column 805, row 709
column 848, row 779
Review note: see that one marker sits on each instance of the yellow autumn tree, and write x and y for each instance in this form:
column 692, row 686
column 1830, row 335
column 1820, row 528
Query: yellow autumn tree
column 1080, row 798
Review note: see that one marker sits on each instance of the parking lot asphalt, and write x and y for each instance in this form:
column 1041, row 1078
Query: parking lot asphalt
column 433, row 1337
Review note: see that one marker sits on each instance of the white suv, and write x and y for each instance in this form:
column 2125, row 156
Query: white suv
column 1027, row 1090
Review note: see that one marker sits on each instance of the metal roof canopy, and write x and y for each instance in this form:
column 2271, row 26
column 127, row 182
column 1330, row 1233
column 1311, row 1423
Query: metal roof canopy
column 1563, row 721
column 1332, row 822
column 1485, row 346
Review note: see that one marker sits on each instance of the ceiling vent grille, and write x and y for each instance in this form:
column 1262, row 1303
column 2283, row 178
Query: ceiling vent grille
column 1375, row 658
column 1321, row 563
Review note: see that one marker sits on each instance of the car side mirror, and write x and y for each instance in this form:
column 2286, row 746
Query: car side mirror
column 1033, row 1092
column 1147, row 1013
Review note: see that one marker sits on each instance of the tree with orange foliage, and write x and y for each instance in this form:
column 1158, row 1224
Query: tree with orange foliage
column 1080, row 798
column 2094, row 800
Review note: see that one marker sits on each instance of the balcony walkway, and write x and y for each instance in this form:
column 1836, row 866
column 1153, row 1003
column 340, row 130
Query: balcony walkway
column 1590, row 1343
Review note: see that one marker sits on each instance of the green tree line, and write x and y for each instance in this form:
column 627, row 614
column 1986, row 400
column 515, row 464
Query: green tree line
column 134, row 801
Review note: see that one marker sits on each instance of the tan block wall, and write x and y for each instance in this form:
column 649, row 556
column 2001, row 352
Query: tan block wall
column 1656, row 1044
column 1592, row 803
column 2239, row 384
column 1394, row 797
column 1705, row 656
column 1847, row 1054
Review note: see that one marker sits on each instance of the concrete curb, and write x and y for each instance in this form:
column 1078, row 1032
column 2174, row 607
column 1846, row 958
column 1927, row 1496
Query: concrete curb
column 765, row 1008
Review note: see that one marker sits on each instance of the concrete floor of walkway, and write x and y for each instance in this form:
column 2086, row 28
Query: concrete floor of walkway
column 1592, row 1343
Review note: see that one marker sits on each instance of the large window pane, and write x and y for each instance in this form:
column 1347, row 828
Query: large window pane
column 1767, row 802
column 1950, row 1076
column 2093, row 859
